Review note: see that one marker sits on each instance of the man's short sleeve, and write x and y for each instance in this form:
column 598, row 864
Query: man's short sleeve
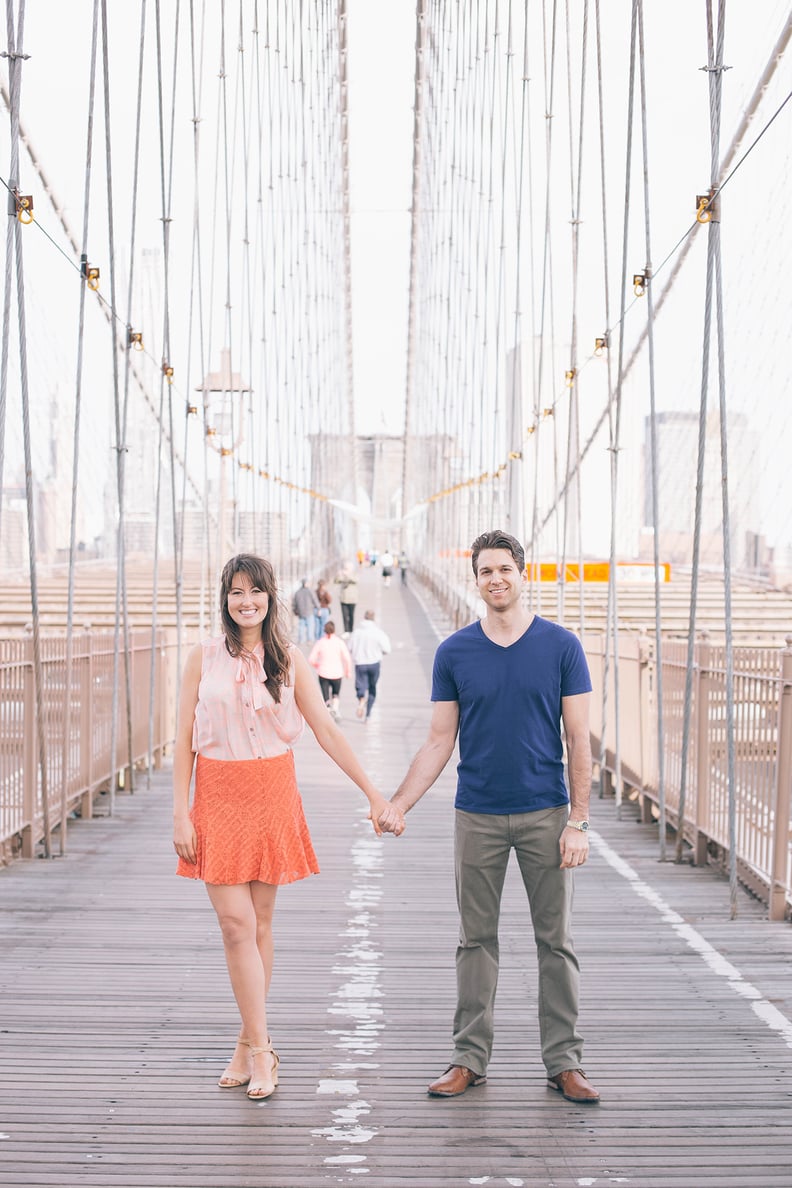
column 444, row 686
column 575, row 675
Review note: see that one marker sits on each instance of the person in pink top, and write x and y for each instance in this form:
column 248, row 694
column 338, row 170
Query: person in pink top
column 244, row 699
column 332, row 661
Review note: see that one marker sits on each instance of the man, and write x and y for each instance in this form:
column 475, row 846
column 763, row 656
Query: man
column 347, row 596
column 305, row 605
column 387, row 563
column 368, row 644
column 504, row 684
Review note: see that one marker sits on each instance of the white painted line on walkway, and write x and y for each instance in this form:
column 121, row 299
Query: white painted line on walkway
column 355, row 1006
column 764, row 1010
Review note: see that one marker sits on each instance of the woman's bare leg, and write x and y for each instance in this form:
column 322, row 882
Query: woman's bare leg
column 263, row 896
column 245, row 918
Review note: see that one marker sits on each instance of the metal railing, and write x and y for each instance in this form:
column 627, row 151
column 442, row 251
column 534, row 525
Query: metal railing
column 79, row 767
column 78, row 764
column 762, row 702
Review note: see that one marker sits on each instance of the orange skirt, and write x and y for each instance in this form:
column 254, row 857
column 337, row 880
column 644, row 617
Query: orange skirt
column 250, row 824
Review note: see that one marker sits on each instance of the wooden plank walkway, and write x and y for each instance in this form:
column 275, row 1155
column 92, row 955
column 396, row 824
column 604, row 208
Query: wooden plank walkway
column 116, row 1019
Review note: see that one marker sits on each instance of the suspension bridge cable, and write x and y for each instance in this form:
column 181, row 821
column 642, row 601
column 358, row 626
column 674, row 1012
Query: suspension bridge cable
column 614, row 436
column 653, row 466
column 15, row 59
column 121, row 624
column 715, row 77
column 67, row 707
column 166, row 186
column 573, row 428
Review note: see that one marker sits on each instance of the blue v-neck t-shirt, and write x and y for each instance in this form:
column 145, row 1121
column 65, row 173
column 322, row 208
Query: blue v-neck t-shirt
column 510, row 748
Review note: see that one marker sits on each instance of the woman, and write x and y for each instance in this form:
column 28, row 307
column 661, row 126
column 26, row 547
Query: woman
column 331, row 659
column 244, row 699
column 325, row 599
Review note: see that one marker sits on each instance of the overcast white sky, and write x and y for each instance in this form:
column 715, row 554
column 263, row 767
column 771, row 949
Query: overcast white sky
column 381, row 70
column 381, row 95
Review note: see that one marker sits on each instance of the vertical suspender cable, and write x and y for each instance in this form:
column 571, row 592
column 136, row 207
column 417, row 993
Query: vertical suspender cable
column 349, row 394
column 121, row 615
column 687, row 710
column 133, row 233
column 412, row 299
column 715, row 78
column 612, row 637
column 15, row 58
column 658, row 650
column 165, row 197
column 76, row 449
column 517, row 467
column 608, row 353
column 573, row 429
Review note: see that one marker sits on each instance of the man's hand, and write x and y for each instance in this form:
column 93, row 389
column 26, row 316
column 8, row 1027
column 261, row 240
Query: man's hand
column 387, row 818
column 574, row 848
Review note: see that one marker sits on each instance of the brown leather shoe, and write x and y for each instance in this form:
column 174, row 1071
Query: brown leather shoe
column 455, row 1080
column 573, row 1084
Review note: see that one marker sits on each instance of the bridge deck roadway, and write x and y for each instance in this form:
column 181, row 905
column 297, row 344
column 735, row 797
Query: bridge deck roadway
column 116, row 1017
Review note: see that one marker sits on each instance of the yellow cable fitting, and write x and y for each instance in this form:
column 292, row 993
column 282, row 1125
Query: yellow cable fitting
column 515, row 455
column 91, row 274
column 639, row 283
column 167, row 371
column 210, row 431
column 547, row 412
column 135, row 338
column 225, row 451
column 703, row 211
column 192, row 410
column 24, row 207
column 569, row 376
column 600, row 345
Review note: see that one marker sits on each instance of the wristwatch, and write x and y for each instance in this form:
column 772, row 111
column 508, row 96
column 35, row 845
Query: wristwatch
column 580, row 825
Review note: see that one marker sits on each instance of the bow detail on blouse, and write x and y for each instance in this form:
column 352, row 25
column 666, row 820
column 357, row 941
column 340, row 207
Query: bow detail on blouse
column 249, row 671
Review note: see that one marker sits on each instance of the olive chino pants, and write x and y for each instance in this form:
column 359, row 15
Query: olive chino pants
column 483, row 844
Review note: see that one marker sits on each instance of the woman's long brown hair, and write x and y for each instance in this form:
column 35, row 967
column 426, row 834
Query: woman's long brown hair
column 273, row 632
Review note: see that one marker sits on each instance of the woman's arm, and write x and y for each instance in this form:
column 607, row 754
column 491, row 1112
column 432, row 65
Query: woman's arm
column 184, row 839
column 383, row 814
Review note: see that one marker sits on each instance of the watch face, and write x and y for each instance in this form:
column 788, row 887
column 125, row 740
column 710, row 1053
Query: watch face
column 584, row 825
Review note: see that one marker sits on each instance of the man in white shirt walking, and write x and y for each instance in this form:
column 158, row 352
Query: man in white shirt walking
column 368, row 644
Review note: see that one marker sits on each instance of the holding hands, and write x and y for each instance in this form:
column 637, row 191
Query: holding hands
column 385, row 817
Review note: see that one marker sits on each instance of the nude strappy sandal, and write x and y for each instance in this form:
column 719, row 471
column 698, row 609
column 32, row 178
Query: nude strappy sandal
column 227, row 1082
column 257, row 1091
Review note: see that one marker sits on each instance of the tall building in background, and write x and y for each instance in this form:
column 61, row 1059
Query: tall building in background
column 677, row 469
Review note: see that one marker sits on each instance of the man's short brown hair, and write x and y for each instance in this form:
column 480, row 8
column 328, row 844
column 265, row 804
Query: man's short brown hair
column 497, row 539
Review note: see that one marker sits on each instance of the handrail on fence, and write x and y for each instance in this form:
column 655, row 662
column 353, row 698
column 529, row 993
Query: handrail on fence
column 762, row 738
column 77, row 709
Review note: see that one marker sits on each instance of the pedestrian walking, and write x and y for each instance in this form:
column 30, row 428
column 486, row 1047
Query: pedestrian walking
column 505, row 685
column 404, row 565
column 367, row 645
column 332, row 661
column 305, row 605
column 387, row 563
column 245, row 696
column 324, row 598
column 348, row 596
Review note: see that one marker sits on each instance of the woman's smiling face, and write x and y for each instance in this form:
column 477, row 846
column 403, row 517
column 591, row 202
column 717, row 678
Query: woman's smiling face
column 247, row 604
